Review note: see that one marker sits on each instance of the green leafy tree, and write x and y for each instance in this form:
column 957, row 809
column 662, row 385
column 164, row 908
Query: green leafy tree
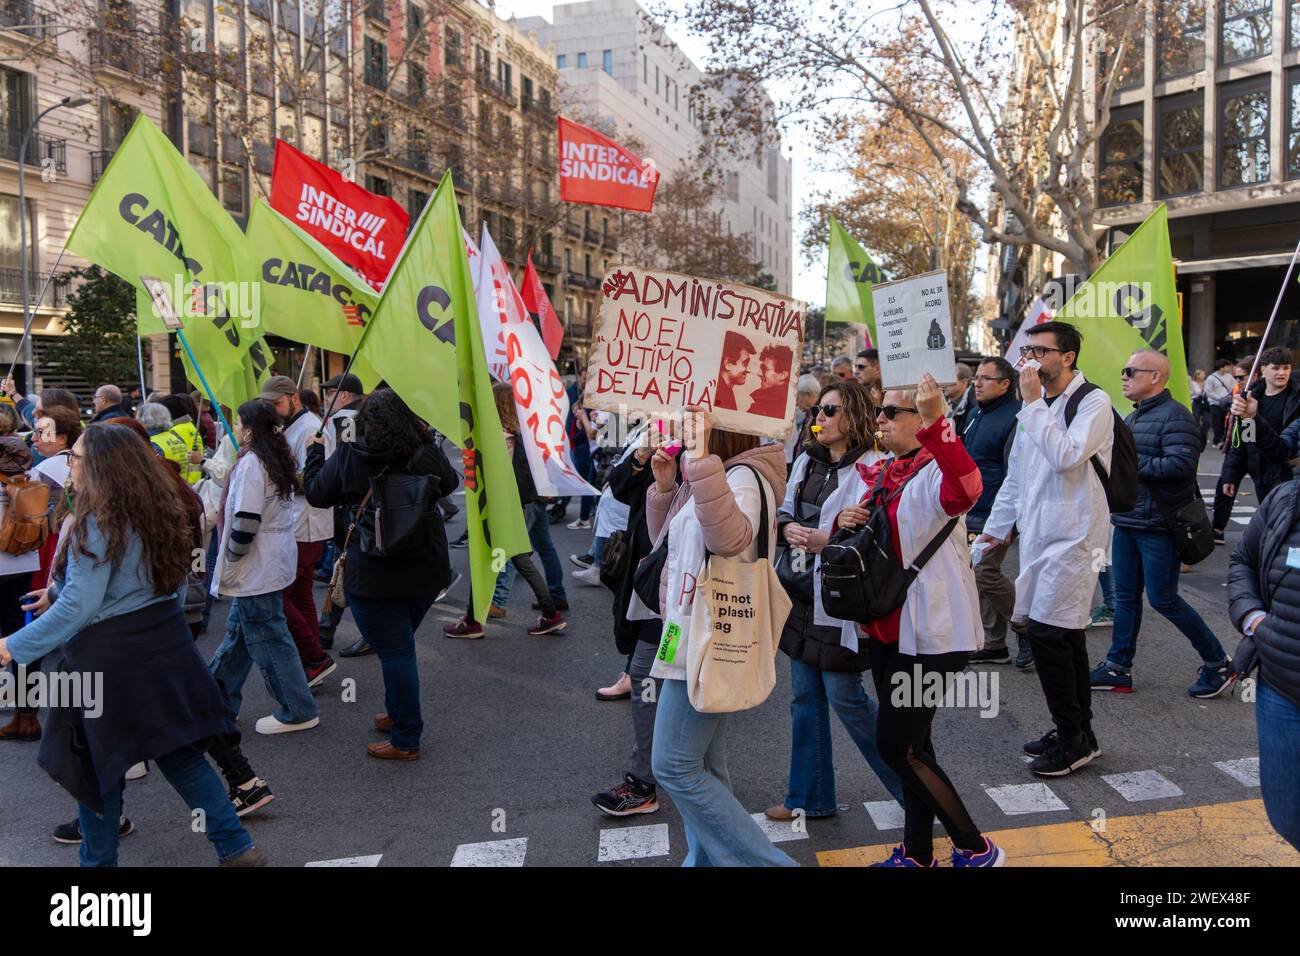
column 99, row 340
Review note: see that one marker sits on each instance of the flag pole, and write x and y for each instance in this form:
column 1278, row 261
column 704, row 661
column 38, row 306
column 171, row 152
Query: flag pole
column 139, row 363
column 1263, row 341
column 216, row 406
column 31, row 316
column 306, row 361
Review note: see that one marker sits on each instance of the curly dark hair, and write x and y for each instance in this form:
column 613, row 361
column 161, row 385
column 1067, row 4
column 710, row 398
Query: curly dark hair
column 859, row 416
column 125, row 487
column 265, row 439
column 387, row 424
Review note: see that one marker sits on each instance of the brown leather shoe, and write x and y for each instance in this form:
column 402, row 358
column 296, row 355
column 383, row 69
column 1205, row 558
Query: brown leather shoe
column 23, row 727
column 383, row 722
column 386, row 751
column 778, row 812
column 495, row 612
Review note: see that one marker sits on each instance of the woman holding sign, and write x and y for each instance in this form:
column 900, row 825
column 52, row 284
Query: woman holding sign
column 925, row 488
column 823, row 674
column 716, row 507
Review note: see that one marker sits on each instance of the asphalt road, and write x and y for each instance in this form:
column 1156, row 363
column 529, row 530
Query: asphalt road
column 515, row 743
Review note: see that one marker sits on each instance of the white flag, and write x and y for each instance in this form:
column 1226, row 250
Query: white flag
column 1037, row 314
column 516, row 354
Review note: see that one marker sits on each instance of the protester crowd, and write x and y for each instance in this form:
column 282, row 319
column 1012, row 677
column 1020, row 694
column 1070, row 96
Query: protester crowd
column 120, row 528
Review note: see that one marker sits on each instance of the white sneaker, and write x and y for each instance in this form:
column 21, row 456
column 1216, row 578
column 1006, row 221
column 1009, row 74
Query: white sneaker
column 579, row 525
column 137, row 770
column 590, row 576
column 270, row 725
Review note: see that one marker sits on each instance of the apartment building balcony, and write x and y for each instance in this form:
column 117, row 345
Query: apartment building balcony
column 497, row 88
column 120, row 52
column 11, row 288
column 40, row 149
column 546, row 263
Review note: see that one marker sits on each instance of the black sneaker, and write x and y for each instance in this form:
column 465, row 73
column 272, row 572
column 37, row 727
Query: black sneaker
column 246, row 800
column 1036, row 748
column 1219, row 538
column 629, row 797
column 1061, row 758
column 70, row 833
column 991, row 655
column 462, row 541
column 1024, row 655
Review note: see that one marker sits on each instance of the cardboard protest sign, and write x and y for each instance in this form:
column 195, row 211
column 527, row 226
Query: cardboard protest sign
column 915, row 325
column 667, row 340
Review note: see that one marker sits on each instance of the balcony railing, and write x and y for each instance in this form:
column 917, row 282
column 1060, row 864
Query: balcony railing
column 591, row 235
column 11, row 287
column 506, row 246
column 376, row 10
column 375, row 76
column 123, row 52
column 416, row 158
column 497, row 87
column 546, row 263
column 572, row 229
column 609, row 241
column 99, row 161
column 40, row 149
column 540, row 110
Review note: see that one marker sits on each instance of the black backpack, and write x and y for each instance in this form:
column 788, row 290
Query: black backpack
column 862, row 579
column 1121, row 484
column 401, row 519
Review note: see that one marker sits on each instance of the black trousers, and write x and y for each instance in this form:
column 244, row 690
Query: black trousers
column 1222, row 506
column 1061, row 657
column 903, row 738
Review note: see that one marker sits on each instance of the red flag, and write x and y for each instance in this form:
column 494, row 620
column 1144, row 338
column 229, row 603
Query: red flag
column 596, row 170
column 538, row 305
column 363, row 229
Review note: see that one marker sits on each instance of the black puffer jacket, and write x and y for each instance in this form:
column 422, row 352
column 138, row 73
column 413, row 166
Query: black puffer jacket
column 1169, row 445
column 801, row 639
column 1260, row 580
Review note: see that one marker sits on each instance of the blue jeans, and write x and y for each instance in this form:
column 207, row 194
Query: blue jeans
column 256, row 632
column 207, row 578
column 1277, row 722
column 539, row 535
column 1107, row 581
column 1149, row 556
column 188, row 772
column 812, row 765
column 690, row 765
column 389, row 625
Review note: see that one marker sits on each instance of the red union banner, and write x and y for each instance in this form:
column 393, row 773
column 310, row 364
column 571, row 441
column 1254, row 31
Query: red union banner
column 596, row 170
column 366, row 231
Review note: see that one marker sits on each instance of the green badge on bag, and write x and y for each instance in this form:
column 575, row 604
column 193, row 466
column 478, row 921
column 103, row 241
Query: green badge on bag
column 668, row 646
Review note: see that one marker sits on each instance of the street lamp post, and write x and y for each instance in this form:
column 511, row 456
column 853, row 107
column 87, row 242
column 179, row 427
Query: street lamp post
column 69, row 101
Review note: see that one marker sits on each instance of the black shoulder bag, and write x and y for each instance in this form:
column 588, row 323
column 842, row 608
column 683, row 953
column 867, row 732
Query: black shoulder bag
column 1190, row 524
column 404, row 512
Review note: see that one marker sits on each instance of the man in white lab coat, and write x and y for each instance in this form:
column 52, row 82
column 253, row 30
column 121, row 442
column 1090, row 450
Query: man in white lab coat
column 1054, row 497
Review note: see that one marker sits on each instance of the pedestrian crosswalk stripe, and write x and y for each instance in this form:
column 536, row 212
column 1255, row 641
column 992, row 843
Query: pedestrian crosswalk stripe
column 779, row 831
column 1244, row 770
column 1142, row 785
column 492, row 853
column 1017, row 798
column 632, row 843
column 1222, row 834
column 885, row 814
column 372, row 860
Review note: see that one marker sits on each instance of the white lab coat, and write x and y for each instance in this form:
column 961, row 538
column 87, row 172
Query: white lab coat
column 1053, row 496
column 942, row 610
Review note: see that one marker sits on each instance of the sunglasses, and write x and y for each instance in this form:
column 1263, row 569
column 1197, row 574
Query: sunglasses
column 827, row 410
column 1037, row 351
column 1240, row 378
column 1129, row 371
column 891, row 411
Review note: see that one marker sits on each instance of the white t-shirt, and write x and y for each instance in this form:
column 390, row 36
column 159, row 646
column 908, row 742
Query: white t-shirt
column 309, row 524
column 272, row 562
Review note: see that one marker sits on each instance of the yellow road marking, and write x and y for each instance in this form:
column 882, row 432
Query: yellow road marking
column 1219, row 834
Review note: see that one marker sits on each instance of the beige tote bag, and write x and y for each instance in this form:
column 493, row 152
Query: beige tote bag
column 739, row 611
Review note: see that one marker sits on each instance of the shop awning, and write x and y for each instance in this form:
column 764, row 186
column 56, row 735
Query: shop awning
column 1190, row 266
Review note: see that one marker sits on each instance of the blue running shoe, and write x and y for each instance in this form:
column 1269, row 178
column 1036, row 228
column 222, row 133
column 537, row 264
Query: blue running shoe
column 1212, row 680
column 993, row 855
column 900, row 858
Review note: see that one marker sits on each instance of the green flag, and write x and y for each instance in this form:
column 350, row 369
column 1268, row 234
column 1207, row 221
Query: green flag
column 424, row 339
column 308, row 294
column 232, row 390
column 850, row 273
column 1128, row 304
column 151, row 215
